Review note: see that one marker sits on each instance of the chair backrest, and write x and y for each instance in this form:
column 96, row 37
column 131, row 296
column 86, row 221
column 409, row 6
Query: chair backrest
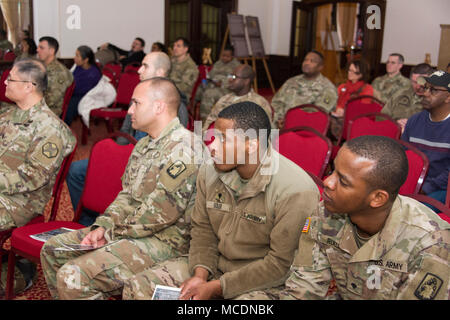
column 418, row 167
column 444, row 211
column 127, row 82
column 371, row 124
column 59, row 182
column 107, row 163
column 307, row 147
column 202, row 72
column 67, row 97
column 9, row 56
column 209, row 138
column 317, row 119
column 133, row 66
column 355, row 107
column 3, row 97
column 112, row 75
column 114, row 66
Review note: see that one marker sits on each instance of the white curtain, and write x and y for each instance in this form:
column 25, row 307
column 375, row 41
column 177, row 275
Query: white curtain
column 17, row 16
column 346, row 22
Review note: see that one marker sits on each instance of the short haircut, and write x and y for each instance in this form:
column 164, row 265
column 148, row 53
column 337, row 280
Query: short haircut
column 247, row 115
column 186, row 42
column 391, row 169
column 141, row 41
column 401, row 59
column 229, row 48
column 35, row 70
column 166, row 90
column 161, row 61
column 247, row 71
column 161, row 46
column 363, row 68
column 52, row 42
column 322, row 59
column 422, row 68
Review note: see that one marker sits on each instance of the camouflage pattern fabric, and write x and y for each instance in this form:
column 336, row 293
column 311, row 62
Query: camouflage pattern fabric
column 232, row 98
column 59, row 79
column 211, row 93
column 385, row 87
column 148, row 222
column 33, row 145
column 403, row 104
column 6, row 45
column 184, row 74
column 407, row 259
column 298, row 90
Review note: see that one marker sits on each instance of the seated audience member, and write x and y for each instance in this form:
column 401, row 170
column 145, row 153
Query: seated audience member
column 23, row 34
column 86, row 76
column 59, row 77
column 240, row 85
column 356, row 85
column 406, row 102
column 136, row 54
column 184, row 71
column 148, row 222
column 34, row 143
column 28, row 49
column 247, row 216
column 429, row 131
column 5, row 45
column 216, row 86
column 311, row 87
column 155, row 64
column 374, row 243
column 393, row 81
column 158, row 46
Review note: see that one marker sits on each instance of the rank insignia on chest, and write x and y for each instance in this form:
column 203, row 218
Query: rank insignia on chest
column 306, row 226
column 219, row 197
column 428, row 287
column 50, row 150
column 177, row 168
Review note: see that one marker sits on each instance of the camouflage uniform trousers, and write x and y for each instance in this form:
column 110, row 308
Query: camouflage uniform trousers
column 6, row 221
column 100, row 273
column 209, row 98
column 173, row 273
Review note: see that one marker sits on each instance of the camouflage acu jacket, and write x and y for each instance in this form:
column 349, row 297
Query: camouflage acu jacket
column 403, row 104
column 385, row 87
column 33, row 144
column 59, row 78
column 158, row 190
column 184, row 74
column 407, row 259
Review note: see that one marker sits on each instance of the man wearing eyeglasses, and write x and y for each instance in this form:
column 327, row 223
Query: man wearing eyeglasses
column 33, row 144
column 403, row 104
column 393, row 81
column 240, row 85
column 429, row 131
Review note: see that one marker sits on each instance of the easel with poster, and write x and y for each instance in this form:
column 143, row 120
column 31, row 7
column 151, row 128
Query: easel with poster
column 236, row 31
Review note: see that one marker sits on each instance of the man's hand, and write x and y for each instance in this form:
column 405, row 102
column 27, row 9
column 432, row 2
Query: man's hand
column 402, row 123
column 189, row 286
column 104, row 46
column 338, row 113
column 95, row 238
column 203, row 291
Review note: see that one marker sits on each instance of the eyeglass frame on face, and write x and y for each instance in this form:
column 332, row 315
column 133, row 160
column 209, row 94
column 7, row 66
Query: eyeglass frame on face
column 432, row 89
column 8, row 79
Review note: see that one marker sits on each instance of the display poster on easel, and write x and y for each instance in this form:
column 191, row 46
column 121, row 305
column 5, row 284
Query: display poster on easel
column 237, row 35
column 254, row 35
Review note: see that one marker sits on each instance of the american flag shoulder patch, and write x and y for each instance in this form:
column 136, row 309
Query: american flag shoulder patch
column 306, row 226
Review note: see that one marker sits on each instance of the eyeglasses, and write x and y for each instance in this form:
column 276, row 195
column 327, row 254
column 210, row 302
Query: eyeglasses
column 11, row 80
column 433, row 90
column 233, row 77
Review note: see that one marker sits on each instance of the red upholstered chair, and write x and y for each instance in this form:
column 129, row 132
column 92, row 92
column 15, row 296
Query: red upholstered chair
column 9, row 56
column 112, row 75
column 195, row 109
column 107, row 163
column 209, row 138
column 132, row 66
column 418, row 168
column 4, row 76
column 128, row 81
column 318, row 182
column 67, row 97
column 307, row 147
column 317, row 119
column 115, row 67
column 444, row 210
column 371, row 124
column 56, row 195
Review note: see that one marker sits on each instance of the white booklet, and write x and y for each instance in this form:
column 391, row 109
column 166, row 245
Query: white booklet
column 44, row 236
column 166, row 293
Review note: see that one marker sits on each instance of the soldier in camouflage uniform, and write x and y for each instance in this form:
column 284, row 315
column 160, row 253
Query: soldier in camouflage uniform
column 241, row 90
column 4, row 43
column 311, row 87
column 217, row 83
column 246, row 220
column 373, row 242
column 33, row 145
column 407, row 102
column 59, row 77
column 149, row 221
column 184, row 72
column 384, row 87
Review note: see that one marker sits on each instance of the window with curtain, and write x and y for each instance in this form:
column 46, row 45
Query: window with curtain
column 17, row 16
column 210, row 28
column 178, row 21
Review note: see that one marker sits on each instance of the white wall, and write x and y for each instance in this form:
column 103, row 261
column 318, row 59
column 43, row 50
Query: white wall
column 412, row 28
column 113, row 21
